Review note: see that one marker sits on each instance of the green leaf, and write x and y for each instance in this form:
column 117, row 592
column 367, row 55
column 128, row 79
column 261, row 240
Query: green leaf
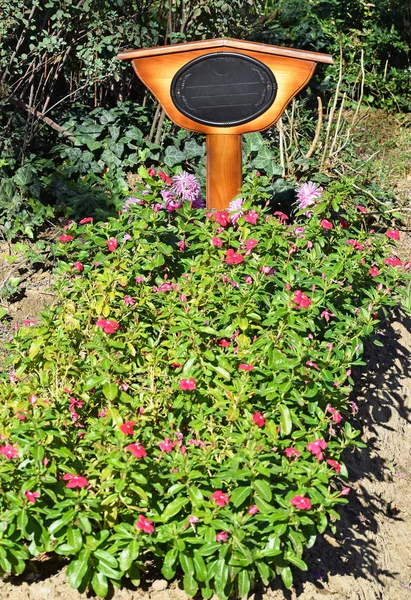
column 287, row 577
column 78, row 569
column 220, row 577
column 174, row 508
column 100, row 584
column 243, row 584
column 209, row 549
column 298, row 562
column 286, row 424
column 106, row 558
column 186, row 563
column 173, row 156
column 110, row 390
column 190, row 585
column 263, row 489
column 200, row 567
column 129, row 555
column 240, row 495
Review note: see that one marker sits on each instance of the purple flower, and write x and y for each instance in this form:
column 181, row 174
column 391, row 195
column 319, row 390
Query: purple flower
column 307, row 194
column 235, row 207
column 186, row 186
column 198, row 202
column 131, row 201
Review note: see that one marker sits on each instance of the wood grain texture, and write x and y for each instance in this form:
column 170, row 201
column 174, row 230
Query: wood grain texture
column 157, row 73
column 227, row 44
column 224, row 169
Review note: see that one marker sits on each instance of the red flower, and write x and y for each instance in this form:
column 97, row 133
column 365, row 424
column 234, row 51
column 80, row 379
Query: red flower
column 32, row 496
column 232, row 258
column 253, row 510
column 75, row 481
column 290, row 452
column 326, row 224
column 301, row 502
column 361, row 209
column 258, row 419
column 221, row 536
column 165, row 178
column 127, row 427
column 301, row 299
column 65, row 238
column 216, row 241
column 220, row 498
column 108, row 325
column 374, row 271
column 79, row 266
column 145, row 524
column 393, row 234
column 86, row 220
column 222, row 218
column 187, row 384
column 224, row 343
column 334, row 464
column 251, row 217
column 393, row 261
column 245, row 367
column 112, row 244
column 344, row 224
column 281, row 216
column 152, row 172
column 137, row 450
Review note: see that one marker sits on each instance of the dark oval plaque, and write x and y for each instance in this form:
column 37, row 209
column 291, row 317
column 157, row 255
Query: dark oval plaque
column 223, row 89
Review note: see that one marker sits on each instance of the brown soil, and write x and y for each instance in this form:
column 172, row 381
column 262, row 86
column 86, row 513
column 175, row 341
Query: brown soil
column 369, row 556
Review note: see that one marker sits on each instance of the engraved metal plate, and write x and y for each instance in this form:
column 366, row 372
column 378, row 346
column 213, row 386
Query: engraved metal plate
column 223, row 89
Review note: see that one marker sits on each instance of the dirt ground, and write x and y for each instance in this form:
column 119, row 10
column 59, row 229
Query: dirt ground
column 369, row 558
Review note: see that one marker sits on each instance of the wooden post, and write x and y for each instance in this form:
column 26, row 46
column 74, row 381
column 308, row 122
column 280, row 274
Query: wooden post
column 224, row 169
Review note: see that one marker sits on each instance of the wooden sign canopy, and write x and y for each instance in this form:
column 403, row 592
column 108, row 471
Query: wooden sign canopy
column 224, row 88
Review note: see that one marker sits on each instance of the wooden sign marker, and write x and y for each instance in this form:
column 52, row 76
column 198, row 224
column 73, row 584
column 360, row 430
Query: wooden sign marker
column 224, row 88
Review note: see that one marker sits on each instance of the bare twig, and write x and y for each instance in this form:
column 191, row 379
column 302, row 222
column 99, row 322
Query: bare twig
column 317, row 129
column 47, row 120
column 333, row 108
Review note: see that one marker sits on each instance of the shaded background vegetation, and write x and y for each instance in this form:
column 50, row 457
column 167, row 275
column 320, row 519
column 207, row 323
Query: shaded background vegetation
column 75, row 123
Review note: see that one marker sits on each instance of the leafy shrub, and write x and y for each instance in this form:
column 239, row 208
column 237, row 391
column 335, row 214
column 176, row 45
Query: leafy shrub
column 186, row 401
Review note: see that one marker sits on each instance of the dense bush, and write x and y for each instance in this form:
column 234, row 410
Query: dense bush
column 186, row 400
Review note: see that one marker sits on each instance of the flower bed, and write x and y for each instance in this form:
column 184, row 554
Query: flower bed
column 186, row 401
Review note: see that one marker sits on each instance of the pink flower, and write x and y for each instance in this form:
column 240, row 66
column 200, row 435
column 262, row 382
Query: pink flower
column 9, row 451
column 193, row 519
column 220, row 498
column 186, row 186
column 108, row 325
column 216, row 241
column 222, row 218
column 290, row 452
column 258, row 419
column 393, row 234
column 224, row 343
column 374, row 271
column 127, row 427
column 336, row 415
column 128, row 300
column 232, row 258
column 307, row 194
column 86, row 220
column 140, row 279
column 248, row 280
column 301, row 300
column 182, row 244
column 75, row 481
column 253, row 510
column 152, row 172
column 313, row 365
column 281, row 216
column 250, row 245
column 79, row 266
column 167, row 445
column 251, row 217
column 326, row 224
column 164, row 177
column 393, row 261
column 334, row 464
column 316, row 448
column 221, row 536
column 187, row 384
column 33, row 399
column 183, row 298
column 32, row 496
column 137, row 450
column 65, row 238
column 361, row 209
column 327, row 314
column 112, row 244
column 245, row 367
column 345, row 491
column 145, row 524
column 301, row 502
